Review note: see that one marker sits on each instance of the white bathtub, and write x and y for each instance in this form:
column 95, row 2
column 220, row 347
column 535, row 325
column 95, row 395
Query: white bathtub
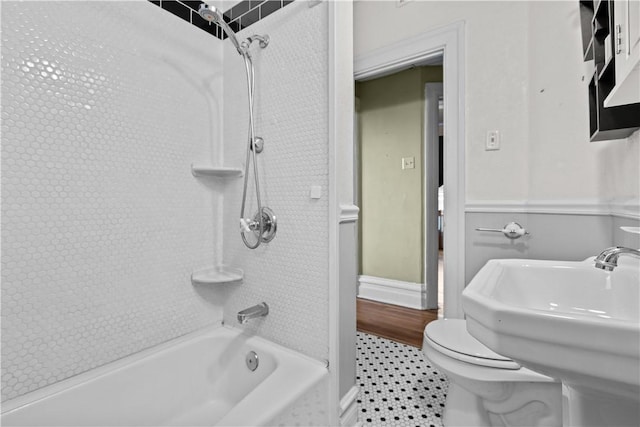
column 197, row 380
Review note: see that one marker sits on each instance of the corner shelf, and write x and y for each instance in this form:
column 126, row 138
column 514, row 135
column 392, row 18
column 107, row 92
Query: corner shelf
column 215, row 171
column 221, row 275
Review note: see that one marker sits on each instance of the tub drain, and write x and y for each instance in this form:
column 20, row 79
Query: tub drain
column 252, row 361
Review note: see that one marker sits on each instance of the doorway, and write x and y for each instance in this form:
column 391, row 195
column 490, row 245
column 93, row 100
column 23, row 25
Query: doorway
column 446, row 44
column 399, row 171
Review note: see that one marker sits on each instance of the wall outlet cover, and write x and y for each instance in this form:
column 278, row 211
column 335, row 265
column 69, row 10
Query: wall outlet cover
column 408, row 163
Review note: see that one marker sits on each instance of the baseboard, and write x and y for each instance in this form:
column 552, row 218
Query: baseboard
column 349, row 408
column 406, row 294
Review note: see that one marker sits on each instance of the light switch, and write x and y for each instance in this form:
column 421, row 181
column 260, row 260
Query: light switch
column 493, row 141
column 408, row 163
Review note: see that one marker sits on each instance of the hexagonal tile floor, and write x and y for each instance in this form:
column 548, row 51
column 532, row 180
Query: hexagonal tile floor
column 399, row 387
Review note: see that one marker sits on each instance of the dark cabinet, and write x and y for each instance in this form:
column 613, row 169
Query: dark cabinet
column 598, row 43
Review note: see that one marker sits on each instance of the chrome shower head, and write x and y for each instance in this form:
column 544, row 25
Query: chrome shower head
column 213, row 15
column 210, row 13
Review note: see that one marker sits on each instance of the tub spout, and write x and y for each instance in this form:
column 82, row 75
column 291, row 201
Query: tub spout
column 260, row 310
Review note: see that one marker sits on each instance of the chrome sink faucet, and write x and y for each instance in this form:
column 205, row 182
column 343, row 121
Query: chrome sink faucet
column 260, row 310
column 608, row 259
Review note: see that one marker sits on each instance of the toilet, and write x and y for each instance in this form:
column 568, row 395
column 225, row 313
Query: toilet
column 485, row 388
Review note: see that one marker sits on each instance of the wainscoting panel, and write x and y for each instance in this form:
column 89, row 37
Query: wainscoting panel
column 565, row 236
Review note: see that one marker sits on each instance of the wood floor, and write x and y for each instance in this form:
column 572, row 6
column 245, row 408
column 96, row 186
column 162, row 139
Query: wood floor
column 405, row 325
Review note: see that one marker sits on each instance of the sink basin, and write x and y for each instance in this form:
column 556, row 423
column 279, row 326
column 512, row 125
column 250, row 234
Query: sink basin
column 567, row 320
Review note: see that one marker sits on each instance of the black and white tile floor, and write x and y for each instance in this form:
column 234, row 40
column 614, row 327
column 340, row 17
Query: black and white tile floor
column 398, row 386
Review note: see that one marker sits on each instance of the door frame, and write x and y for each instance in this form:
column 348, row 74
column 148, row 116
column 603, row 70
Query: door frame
column 447, row 42
column 430, row 160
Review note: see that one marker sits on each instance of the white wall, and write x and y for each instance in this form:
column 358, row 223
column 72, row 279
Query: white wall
column 496, row 73
column 562, row 164
column 104, row 107
column 291, row 273
column 524, row 77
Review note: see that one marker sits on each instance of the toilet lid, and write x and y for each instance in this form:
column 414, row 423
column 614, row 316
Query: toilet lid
column 452, row 334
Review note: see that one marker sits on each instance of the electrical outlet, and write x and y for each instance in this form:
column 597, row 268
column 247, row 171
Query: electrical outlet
column 408, row 163
column 493, row 141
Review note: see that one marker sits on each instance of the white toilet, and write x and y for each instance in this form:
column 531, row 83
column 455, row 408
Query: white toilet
column 485, row 388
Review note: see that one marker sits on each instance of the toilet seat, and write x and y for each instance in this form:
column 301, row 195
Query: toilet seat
column 450, row 337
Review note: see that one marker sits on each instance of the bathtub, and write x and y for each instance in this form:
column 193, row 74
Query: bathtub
column 201, row 379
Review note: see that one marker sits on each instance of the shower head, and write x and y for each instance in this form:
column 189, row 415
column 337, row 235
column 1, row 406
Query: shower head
column 212, row 14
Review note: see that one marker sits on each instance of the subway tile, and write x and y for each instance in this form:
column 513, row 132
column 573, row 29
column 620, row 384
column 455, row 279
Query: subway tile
column 250, row 18
column 177, row 9
column 193, row 4
column 268, row 7
column 235, row 25
column 240, row 16
column 239, row 9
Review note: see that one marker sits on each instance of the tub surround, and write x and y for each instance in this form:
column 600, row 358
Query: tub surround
column 113, row 156
column 290, row 273
column 102, row 222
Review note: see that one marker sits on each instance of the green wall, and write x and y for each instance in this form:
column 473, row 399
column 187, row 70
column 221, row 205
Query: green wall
column 390, row 127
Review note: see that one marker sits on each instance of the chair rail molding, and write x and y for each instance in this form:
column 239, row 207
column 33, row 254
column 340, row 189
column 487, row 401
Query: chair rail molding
column 617, row 208
column 348, row 213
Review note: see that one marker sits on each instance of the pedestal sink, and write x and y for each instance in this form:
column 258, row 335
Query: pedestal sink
column 570, row 321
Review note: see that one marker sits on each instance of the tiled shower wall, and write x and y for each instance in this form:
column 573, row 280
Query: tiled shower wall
column 291, row 273
column 104, row 107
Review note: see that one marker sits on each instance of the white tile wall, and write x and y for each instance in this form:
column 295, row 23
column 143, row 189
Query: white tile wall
column 104, row 107
column 291, row 273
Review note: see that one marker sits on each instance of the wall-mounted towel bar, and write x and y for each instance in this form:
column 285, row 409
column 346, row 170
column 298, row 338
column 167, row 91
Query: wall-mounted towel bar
column 513, row 230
